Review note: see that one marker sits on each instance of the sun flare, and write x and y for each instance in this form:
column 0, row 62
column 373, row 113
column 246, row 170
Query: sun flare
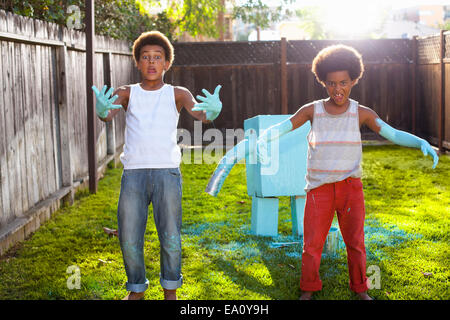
column 352, row 18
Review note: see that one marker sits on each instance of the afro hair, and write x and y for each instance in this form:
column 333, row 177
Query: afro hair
column 153, row 38
column 338, row 58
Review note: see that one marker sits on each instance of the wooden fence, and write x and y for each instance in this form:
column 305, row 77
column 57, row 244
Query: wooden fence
column 404, row 80
column 432, row 73
column 43, row 119
column 274, row 77
column 43, row 138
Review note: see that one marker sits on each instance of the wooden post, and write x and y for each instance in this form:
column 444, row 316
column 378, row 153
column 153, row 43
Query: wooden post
column 441, row 92
column 234, row 107
column 110, row 125
column 414, row 84
column 91, row 116
column 283, row 66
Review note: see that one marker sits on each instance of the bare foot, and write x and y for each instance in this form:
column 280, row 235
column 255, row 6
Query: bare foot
column 306, row 295
column 134, row 296
column 170, row 294
column 364, row 296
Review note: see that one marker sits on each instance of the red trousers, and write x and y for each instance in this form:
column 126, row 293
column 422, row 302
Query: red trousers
column 347, row 199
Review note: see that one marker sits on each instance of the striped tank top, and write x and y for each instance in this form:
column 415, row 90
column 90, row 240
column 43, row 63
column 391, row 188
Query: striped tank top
column 334, row 146
column 151, row 129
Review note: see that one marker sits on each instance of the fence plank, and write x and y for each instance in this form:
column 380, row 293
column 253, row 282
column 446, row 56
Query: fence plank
column 41, row 100
column 234, row 105
column 283, row 71
column 4, row 185
column 65, row 119
column 7, row 135
column 110, row 126
column 20, row 165
column 31, row 174
column 12, row 145
column 447, row 106
column 53, row 117
column 50, row 118
column 39, row 96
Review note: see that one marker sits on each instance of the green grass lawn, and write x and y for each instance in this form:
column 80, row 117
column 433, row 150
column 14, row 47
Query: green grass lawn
column 407, row 240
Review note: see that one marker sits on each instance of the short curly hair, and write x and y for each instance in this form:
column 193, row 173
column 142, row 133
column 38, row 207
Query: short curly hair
column 338, row 58
column 153, row 38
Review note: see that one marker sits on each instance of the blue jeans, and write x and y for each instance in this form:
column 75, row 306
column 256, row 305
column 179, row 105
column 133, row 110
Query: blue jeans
column 139, row 188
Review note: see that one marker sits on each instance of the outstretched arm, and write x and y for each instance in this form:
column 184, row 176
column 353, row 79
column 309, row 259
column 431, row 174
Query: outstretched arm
column 371, row 119
column 211, row 103
column 104, row 106
column 275, row 132
column 185, row 99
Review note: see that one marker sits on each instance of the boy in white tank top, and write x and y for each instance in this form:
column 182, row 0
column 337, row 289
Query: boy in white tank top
column 151, row 159
column 333, row 179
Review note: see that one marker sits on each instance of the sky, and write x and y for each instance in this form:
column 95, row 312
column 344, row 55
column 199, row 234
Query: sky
column 395, row 4
column 356, row 18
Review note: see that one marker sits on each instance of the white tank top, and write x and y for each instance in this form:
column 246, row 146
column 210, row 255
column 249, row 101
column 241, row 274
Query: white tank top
column 334, row 146
column 151, row 129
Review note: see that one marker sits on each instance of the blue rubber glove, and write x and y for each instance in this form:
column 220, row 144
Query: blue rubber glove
column 104, row 102
column 272, row 133
column 407, row 140
column 210, row 103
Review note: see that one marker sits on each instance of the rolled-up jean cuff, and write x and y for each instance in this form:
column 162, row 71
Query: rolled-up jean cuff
column 171, row 284
column 358, row 288
column 310, row 286
column 137, row 287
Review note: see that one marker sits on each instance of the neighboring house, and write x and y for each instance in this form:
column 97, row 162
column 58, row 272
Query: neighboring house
column 416, row 21
column 406, row 29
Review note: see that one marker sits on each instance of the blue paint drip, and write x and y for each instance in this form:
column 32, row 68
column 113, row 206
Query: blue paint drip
column 379, row 236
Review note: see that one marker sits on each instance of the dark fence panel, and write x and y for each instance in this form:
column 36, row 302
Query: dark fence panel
column 250, row 74
column 373, row 51
column 433, row 70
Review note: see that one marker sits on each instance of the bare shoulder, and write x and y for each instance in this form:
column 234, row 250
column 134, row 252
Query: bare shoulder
column 362, row 108
column 182, row 92
column 123, row 91
column 366, row 112
column 307, row 110
column 303, row 114
column 183, row 98
column 367, row 116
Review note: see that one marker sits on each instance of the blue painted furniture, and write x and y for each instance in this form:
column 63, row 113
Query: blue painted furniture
column 284, row 175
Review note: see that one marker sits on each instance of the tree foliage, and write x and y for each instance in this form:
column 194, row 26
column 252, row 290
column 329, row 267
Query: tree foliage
column 119, row 19
column 312, row 23
column 197, row 17
column 260, row 13
column 127, row 19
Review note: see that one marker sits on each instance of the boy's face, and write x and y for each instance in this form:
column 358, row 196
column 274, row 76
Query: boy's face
column 152, row 62
column 339, row 85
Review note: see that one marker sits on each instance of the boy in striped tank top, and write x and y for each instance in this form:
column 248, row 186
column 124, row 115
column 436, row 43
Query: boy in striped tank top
column 151, row 159
column 333, row 179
